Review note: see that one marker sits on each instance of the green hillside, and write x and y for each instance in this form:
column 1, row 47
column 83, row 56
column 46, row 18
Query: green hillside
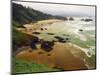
column 23, row 15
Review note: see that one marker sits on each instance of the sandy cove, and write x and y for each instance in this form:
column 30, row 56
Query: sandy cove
column 60, row 57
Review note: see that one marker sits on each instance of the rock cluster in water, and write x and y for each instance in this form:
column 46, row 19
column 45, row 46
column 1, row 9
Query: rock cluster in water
column 47, row 45
column 87, row 20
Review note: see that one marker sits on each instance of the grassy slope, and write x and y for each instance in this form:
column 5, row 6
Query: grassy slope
column 20, row 39
column 21, row 66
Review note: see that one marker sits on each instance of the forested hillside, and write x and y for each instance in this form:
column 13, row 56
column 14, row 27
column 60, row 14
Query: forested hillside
column 23, row 15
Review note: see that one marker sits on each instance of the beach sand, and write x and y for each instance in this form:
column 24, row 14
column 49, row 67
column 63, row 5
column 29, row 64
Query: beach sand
column 60, row 57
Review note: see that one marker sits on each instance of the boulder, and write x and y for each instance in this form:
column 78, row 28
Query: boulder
column 47, row 45
column 36, row 33
column 71, row 18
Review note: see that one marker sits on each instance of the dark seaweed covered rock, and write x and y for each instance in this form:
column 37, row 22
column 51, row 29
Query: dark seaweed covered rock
column 67, row 38
column 41, row 28
column 60, row 39
column 50, row 33
column 47, row 45
column 33, row 45
column 71, row 18
column 81, row 30
column 34, row 41
column 64, row 34
column 36, row 33
column 87, row 20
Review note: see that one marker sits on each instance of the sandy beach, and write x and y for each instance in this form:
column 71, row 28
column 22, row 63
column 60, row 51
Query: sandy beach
column 60, row 57
column 67, row 56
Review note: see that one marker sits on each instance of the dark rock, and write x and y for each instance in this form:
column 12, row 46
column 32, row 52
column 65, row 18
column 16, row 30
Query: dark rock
column 36, row 33
column 41, row 28
column 59, row 38
column 33, row 45
column 62, row 41
column 81, row 30
column 47, row 45
column 64, row 34
column 71, row 18
column 41, row 41
column 67, row 38
column 34, row 41
column 87, row 20
column 50, row 33
column 54, row 40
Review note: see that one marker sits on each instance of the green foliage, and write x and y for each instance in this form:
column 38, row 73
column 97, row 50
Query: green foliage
column 23, row 15
column 20, row 39
column 21, row 66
